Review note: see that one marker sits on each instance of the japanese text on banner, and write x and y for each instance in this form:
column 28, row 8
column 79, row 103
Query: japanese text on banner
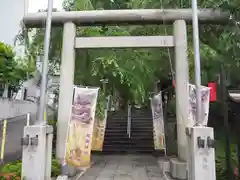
column 80, row 130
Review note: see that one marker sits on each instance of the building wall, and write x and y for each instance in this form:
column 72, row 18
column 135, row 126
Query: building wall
column 11, row 13
column 13, row 107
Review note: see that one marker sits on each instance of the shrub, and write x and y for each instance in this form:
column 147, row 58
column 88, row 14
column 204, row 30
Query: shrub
column 220, row 168
column 221, row 172
column 16, row 168
column 11, row 168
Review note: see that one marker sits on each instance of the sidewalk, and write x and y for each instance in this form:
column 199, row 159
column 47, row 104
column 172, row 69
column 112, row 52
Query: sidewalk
column 122, row 167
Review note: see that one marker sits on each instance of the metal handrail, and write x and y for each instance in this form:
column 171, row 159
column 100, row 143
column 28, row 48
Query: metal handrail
column 129, row 121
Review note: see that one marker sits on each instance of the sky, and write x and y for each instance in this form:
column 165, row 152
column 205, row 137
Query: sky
column 11, row 14
column 14, row 11
column 35, row 5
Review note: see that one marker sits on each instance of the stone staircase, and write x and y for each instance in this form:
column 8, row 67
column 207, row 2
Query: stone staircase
column 117, row 139
column 142, row 130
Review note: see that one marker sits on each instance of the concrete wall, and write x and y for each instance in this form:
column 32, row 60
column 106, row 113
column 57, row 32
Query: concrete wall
column 14, row 107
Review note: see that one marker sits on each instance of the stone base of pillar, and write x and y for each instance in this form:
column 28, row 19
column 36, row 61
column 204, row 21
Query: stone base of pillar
column 62, row 178
column 68, row 170
column 173, row 169
column 178, row 169
column 164, row 164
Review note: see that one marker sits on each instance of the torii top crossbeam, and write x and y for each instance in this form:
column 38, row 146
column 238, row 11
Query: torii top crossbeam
column 133, row 16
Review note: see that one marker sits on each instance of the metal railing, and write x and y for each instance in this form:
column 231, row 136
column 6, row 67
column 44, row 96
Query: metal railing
column 11, row 132
column 129, row 120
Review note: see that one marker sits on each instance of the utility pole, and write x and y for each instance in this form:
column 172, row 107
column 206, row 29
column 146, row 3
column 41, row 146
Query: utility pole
column 42, row 104
column 39, row 136
column 200, row 138
column 197, row 60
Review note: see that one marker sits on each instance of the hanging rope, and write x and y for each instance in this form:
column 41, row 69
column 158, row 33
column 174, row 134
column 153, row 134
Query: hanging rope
column 168, row 50
column 170, row 63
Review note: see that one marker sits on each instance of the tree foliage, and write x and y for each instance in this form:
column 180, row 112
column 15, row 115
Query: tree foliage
column 12, row 70
column 131, row 73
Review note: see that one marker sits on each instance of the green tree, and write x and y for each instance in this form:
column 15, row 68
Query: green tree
column 132, row 73
column 13, row 70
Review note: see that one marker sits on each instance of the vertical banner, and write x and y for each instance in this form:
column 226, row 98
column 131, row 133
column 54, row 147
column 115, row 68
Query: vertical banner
column 98, row 133
column 158, row 122
column 213, row 91
column 205, row 95
column 80, row 130
column 99, row 129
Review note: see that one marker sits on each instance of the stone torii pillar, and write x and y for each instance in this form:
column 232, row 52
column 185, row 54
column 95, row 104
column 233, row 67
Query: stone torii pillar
column 66, row 86
column 182, row 79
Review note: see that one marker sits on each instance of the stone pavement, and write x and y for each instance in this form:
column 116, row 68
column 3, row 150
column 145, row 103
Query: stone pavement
column 123, row 167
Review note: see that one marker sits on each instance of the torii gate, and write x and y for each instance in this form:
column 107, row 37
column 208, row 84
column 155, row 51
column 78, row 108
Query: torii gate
column 177, row 17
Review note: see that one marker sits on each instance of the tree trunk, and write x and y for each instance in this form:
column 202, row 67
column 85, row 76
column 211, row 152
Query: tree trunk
column 5, row 92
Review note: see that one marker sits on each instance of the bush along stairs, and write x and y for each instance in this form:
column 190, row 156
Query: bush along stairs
column 137, row 139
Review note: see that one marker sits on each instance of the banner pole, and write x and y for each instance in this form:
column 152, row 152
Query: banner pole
column 3, row 140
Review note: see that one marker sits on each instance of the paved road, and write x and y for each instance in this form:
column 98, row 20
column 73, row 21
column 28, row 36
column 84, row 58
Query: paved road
column 123, row 167
column 13, row 149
